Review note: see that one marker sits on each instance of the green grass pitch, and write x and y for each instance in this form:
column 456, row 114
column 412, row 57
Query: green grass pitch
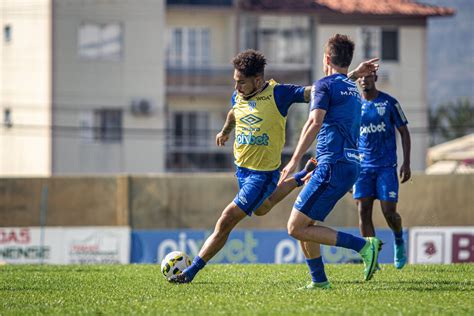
column 235, row 290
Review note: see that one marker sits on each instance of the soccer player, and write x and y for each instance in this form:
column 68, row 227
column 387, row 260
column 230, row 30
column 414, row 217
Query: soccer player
column 258, row 114
column 335, row 119
column 381, row 114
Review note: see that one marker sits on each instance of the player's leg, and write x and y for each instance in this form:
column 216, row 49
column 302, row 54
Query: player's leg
column 255, row 187
column 365, row 207
column 230, row 217
column 312, row 253
column 299, row 228
column 387, row 193
column 364, row 194
column 326, row 186
column 393, row 218
column 394, row 221
column 286, row 187
column 283, row 189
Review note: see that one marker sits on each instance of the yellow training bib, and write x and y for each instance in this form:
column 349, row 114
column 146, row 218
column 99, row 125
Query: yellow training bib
column 259, row 131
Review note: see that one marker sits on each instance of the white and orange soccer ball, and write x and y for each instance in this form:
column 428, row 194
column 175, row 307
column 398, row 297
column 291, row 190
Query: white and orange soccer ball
column 174, row 263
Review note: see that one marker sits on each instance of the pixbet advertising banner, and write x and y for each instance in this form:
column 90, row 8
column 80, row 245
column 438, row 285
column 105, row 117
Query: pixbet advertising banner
column 441, row 245
column 60, row 245
column 244, row 246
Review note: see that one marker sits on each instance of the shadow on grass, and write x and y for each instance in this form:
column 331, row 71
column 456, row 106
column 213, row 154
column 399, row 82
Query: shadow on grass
column 415, row 285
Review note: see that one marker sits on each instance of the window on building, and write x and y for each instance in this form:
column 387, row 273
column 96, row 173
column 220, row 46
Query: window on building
column 380, row 42
column 108, row 125
column 7, row 118
column 86, row 125
column 7, row 33
column 390, row 45
column 189, row 47
column 100, row 41
column 370, row 42
column 283, row 40
column 190, row 129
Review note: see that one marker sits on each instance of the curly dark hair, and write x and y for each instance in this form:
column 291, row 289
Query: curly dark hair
column 250, row 62
column 341, row 49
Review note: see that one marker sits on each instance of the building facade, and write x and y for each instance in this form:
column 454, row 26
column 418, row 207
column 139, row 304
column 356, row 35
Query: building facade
column 292, row 37
column 83, row 87
column 121, row 86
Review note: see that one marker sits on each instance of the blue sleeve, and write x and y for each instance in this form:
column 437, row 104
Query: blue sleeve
column 398, row 117
column 286, row 94
column 320, row 95
column 232, row 100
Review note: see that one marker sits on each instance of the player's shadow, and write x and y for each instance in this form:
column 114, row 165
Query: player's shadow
column 415, row 285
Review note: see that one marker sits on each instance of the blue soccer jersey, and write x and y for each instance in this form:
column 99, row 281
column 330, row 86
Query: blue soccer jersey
column 338, row 136
column 336, row 152
column 377, row 142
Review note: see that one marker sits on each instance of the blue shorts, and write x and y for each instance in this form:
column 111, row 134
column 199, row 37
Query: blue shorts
column 380, row 183
column 328, row 183
column 255, row 187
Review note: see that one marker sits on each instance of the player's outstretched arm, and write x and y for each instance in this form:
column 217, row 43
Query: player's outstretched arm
column 405, row 171
column 365, row 68
column 223, row 136
column 307, row 93
column 307, row 136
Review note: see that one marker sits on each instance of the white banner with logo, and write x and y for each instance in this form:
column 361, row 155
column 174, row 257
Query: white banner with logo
column 441, row 245
column 61, row 245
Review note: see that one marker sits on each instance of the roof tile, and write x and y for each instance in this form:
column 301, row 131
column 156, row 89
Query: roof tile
column 365, row 7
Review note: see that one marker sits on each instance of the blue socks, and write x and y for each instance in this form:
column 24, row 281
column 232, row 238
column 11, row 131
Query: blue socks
column 350, row 241
column 194, row 268
column 299, row 176
column 398, row 237
column 316, row 269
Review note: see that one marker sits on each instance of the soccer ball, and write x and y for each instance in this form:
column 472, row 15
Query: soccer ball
column 174, row 263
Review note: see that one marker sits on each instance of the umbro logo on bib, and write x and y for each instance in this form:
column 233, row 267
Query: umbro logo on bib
column 251, row 119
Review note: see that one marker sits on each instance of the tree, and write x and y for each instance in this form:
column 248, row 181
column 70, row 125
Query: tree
column 451, row 120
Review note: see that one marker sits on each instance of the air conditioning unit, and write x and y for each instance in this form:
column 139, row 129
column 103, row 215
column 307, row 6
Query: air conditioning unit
column 142, row 106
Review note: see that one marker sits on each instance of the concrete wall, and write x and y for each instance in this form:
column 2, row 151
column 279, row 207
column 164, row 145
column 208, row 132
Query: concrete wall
column 70, row 202
column 83, row 85
column 25, row 88
column 175, row 201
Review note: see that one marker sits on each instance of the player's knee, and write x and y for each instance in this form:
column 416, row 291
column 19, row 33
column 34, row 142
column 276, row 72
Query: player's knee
column 294, row 231
column 260, row 212
column 392, row 216
column 364, row 211
column 263, row 209
column 226, row 223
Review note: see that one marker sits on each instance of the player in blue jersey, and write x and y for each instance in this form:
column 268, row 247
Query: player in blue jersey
column 335, row 119
column 258, row 114
column 381, row 115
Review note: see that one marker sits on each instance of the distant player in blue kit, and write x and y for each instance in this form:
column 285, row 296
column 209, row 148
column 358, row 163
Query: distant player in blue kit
column 381, row 115
column 258, row 114
column 335, row 119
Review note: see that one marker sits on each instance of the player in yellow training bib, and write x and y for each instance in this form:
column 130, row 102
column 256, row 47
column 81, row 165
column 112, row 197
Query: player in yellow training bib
column 258, row 114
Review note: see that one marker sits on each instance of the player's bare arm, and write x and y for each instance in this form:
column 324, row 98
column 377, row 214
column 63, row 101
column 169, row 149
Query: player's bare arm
column 365, row 68
column 223, row 136
column 405, row 170
column 307, row 94
column 307, row 137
